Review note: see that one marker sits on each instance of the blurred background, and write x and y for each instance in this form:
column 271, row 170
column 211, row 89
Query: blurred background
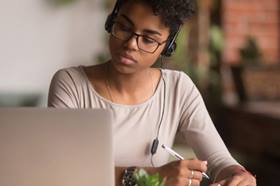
column 230, row 49
column 38, row 37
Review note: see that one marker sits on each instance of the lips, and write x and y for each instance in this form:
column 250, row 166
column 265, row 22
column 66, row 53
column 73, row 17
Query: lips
column 127, row 59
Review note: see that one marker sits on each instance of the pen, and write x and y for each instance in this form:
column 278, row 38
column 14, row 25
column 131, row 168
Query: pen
column 178, row 156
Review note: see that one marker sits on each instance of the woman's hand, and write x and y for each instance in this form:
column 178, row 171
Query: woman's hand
column 183, row 173
column 242, row 178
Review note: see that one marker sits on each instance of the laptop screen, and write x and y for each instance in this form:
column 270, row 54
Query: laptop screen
column 47, row 146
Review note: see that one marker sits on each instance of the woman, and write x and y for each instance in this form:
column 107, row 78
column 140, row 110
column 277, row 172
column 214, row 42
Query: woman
column 151, row 106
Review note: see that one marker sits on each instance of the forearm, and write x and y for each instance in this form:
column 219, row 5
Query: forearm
column 120, row 170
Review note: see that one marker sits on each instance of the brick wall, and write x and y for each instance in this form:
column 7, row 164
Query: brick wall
column 257, row 18
column 262, row 83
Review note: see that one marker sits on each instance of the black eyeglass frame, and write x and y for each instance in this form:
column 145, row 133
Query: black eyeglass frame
column 137, row 36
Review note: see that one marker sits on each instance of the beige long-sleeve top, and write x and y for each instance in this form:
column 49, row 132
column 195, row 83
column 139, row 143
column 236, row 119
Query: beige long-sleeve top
column 176, row 99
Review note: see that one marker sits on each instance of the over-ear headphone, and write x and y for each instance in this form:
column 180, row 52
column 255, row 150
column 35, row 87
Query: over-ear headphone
column 170, row 44
column 111, row 17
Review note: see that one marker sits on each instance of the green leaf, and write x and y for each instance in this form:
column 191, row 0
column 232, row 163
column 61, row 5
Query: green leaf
column 144, row 179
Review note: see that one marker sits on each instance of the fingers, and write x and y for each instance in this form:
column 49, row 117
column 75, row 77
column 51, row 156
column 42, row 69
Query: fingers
column 185, row 167
column 191, row 169
column 195, row 175
column 192, row 182
column 195, row 165
column 183, row 173
column 180, row 181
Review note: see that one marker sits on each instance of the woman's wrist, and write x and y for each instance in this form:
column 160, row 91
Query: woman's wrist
column 240, row 170
column 232, row 171
column 229, row 172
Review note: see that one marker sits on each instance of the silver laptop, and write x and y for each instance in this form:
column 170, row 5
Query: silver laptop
column 55, row 147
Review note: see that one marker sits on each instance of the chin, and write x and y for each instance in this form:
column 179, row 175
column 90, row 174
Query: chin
column 122, row 69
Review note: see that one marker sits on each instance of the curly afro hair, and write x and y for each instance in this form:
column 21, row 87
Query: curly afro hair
column 173, row 13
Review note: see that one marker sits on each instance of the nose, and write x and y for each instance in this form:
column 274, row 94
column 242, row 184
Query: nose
column 132, row 43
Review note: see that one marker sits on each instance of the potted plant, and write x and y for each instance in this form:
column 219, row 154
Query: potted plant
column 250, row 56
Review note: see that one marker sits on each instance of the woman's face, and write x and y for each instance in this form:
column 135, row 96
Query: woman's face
column 138, row 18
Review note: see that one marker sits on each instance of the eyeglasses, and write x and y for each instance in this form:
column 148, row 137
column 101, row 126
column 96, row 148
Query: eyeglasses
column 144, row 43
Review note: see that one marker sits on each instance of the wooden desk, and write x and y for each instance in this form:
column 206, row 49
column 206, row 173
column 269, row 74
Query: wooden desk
column 253, row 130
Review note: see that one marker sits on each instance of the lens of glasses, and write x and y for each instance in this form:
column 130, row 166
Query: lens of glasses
column 121, row 32
column 147, row 44
column 124, row 33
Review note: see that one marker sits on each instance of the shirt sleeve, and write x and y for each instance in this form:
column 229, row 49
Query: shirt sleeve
column 199, row 132
column 62, row 91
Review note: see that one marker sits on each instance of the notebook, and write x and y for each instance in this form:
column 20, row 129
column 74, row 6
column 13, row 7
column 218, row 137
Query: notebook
column 56, row 147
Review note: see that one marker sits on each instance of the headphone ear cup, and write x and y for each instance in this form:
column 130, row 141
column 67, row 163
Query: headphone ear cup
column 110, row 19
column 174, row 46
column 167, row 52
column 109, row 23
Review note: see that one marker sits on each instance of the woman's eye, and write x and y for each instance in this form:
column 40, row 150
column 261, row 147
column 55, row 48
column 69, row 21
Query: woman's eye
column 148, row 40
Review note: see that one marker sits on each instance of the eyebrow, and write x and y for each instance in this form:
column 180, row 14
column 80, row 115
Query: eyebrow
column 148, row 31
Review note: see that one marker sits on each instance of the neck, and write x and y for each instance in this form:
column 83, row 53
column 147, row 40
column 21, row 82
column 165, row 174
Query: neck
column 129, row 83
column 130, row 88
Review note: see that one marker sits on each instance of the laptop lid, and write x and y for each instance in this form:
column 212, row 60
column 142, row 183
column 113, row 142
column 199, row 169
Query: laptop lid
column 56, row 147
